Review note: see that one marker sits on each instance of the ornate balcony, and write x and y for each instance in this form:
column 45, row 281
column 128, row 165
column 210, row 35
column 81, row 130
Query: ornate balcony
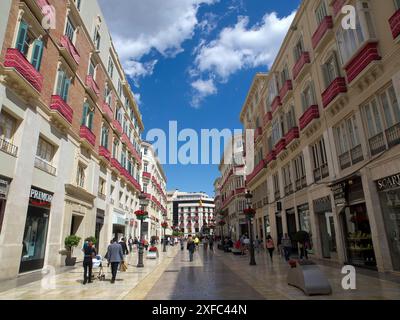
column 117, row 126
column 394, row 22
column 377, row 144
column 322, row 32
column 276, row 104
column 308, row 116
column 125, row 139
column 87, row 136
column 301, row 183
column 300, row 65
column 393, row 135
column 104, row 153
column 69, row 52
column 359, row 63
column 115, row 165
column 20, row 73
column 292, row 135
column 267, row 118
column 8, row 147
column 146, row 175
column 260, row 166
column 280, row 146
column 61, row 112
column 107, row 111
column 271, row 156
column 92, row 87
column 287, row 86
column 240, row 190
column 337, row 87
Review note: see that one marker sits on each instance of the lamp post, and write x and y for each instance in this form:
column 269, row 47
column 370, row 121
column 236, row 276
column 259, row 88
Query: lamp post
column 141, row 215
column 249, row 212
column 164, row 225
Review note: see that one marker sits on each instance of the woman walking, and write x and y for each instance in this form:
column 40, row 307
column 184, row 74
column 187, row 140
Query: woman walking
column 190, row 246
column 270, row 246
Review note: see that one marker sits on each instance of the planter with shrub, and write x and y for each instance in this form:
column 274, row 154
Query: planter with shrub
column 70, row 243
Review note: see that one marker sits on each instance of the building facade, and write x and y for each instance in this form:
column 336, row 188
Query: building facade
column 154, row 184
column 327, row 134
column 70, row 147
column 192, row 211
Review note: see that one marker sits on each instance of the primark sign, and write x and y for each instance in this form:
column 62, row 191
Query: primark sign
column 41, row 196
column 388, row 182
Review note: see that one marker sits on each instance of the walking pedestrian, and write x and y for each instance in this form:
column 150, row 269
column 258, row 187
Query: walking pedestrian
column 257, row 244
column 181, row 242
column 287, row 246
column 211, row 243
column 270, row 246
column 89, row 252
column 130, row 244
column 114, row 256
column 191, row 247
column 196, row 242
column 205, row 243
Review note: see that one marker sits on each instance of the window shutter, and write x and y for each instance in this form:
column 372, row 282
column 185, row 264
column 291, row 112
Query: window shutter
column 60, row 82
column 85, row 113
column 90, row 124
column 67, row 84
column 22, row 33
column 37, row 54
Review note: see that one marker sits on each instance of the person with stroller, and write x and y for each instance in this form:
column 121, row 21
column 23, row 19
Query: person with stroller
column 89, row 252
column 114, row 257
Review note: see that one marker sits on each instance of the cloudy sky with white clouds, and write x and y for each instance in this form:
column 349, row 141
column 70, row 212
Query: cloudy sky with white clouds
column 187, row 58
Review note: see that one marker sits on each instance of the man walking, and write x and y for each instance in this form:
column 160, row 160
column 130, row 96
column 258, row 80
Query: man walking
column 211, row 243
column 287, row 246
column 114, row 256
column 190, row 246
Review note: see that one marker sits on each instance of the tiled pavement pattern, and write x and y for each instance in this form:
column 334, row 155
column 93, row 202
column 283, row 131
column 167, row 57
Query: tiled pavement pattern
column 219, row 275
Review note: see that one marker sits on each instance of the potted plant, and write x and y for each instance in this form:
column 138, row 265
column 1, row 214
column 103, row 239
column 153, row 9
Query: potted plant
column 70, row 243
column 152, row 253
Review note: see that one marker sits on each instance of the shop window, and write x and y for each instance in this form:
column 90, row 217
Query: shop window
column 29, row 45
column 320, row 161
column 87, row 116
column 63, row 84
column 44, row 156
column 8, row 125
column 81, row 175
column 303, row 212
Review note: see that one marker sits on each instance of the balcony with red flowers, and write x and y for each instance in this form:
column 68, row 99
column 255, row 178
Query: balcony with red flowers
column 286, row 88
column 117, row 126
column 259, row 167
column 309, row 116
column 276, row 104
column 394, row 23
column 69, row 52
column 267, row 118
column 292, row 135
column 300, row 65
column 107, row 111
column 363, row 62
column 92, row 87
column 280, row 146
column 87, row 137
column 337, row 87
column 61, row 112
column 271, row 156
column 25, row 78
column 104, row 153
column 323, row 33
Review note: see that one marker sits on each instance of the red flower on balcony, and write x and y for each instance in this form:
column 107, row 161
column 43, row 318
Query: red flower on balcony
column 308, row 116
column 367, row 54
column 394, row 22
column 141, row 214
column 69, row 46
column 335, row 88
column 249, row 212
column 15, row 59
column 59, row 105
column 88, row 135
column 287, row 86
column 271, row 156
column 303, row 60
column 276, row 103
column 103, row 152
column 324, row 26
column 91, row 84
column 292, row 135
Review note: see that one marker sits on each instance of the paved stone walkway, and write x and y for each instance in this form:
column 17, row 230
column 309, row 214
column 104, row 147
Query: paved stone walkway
column 219, row 275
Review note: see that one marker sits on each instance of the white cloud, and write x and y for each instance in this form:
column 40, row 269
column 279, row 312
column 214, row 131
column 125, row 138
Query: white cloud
column 138, row 98
column 139, row 27
column 241, row 47
column 203, row 88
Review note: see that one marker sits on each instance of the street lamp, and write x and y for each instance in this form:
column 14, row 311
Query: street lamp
column 164, row 225
column 141, row 215
column 250, row 212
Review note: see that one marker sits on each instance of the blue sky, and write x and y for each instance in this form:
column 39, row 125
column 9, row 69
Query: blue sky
column 192, row 61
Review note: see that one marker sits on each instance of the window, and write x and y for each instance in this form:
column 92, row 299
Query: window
column 320, row 161
column 308, row 96
column 63, row 84
column 81, row 175
column 284, row 75
column 123, row 158
column 104, row 136
column 298, row 49
column 330, row 70
column 92, row 69
column 350, row 40
column 70, row 30
column 87, row 116
column 277, row 130
column 320, row 13
column 102, row 188
column 8, row 126
column 96, row 38
column 290, row 118
column 300, row 172
column 110, row 67
column 287, row 179
column 45, row 151
column 29, row 45
column 275, row 178
column 272, row 90
column 145, row 167
column 145, row 150
column 145, row 188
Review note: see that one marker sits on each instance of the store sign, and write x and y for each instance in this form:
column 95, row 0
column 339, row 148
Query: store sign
column 388, row 182
column 339, row 193
column 4, row 185
column 322, row 205
column 40, row 198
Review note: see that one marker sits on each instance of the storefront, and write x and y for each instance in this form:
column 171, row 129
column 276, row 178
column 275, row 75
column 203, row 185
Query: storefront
column 119, row 224
column 291, row 226
column 303, row 212
column 4, row 187
column 326, row 226
column 389, row 194
column 35, row 234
